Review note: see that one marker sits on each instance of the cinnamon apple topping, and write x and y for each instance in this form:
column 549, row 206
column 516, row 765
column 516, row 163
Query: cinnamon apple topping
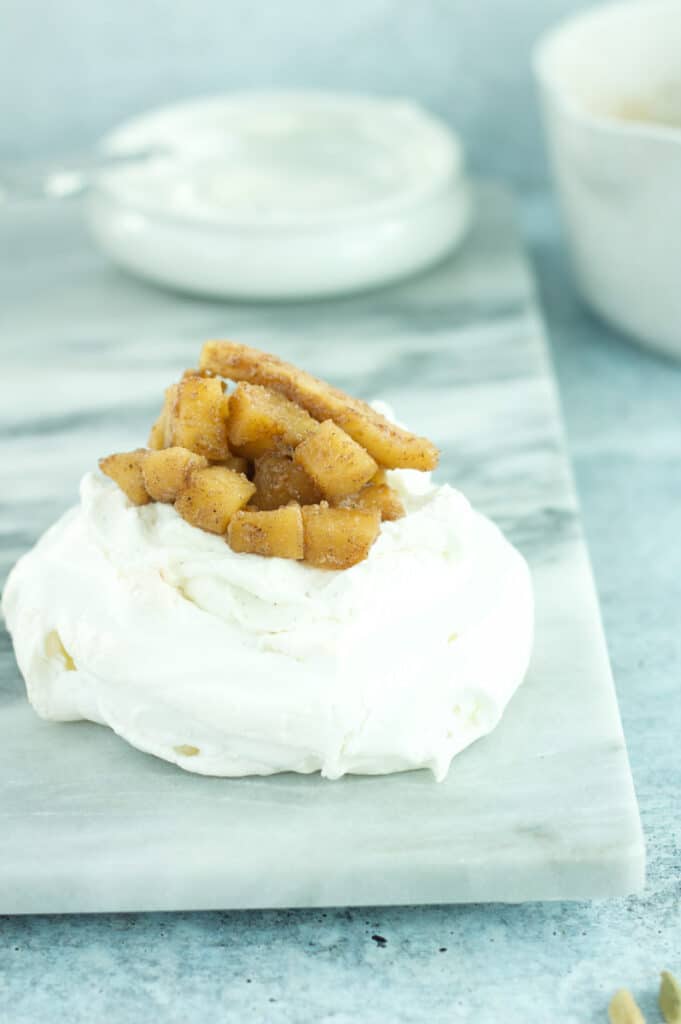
column 284, row 466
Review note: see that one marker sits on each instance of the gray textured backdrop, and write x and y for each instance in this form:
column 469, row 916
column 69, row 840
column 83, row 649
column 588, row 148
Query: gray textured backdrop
column 69, row 69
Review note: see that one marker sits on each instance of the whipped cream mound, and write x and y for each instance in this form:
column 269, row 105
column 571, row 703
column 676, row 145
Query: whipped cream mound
column 232, row 664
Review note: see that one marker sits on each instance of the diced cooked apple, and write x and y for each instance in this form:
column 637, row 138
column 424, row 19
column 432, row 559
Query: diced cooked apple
column 286, row 466
column 275, row 534
column 126, row 469
column 390, row 445
column 197, row 417
column 212, row 496
column 167, row 471
column 238, row 463
column 259, row 419
column 338, row 538
column 160, row 432
column 337, row 464
column 157, row 433
column 279, row 480
column 378, row 497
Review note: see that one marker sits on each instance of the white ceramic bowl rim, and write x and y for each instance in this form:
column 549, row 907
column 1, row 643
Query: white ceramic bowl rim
column 543, row 54
column 445, row 173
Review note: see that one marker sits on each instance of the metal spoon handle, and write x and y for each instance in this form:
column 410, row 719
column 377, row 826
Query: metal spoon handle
column 64, row 178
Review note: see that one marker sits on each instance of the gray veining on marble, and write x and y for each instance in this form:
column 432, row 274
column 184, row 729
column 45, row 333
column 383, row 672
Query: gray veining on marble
column 541, row 809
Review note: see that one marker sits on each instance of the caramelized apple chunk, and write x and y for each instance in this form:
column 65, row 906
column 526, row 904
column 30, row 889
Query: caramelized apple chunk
column 390, row 445
column 378, row 497
column 239, row 464
column 212, row 496
column 126, row 469
column 337, row 464
column 235, row 462
column 197, row 417
column 260, row 419
column 286, row 466
column 338, row 538
column 159, row 436
column 279, row 480
column 277, row 533
column 158, row 432
column 167, row 471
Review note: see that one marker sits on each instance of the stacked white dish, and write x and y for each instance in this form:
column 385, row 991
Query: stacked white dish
column 281, row 195
column 610, row 82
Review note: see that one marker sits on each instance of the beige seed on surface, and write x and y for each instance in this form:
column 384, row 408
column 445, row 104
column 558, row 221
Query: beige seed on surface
column 670, row 998
column 623, row 1009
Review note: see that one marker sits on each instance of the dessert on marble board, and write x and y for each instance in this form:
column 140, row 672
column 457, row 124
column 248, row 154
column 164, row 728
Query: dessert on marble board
column 274, row 584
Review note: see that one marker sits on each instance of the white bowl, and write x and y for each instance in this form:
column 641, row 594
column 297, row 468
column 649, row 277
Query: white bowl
column 610, row 83
column 282, row 195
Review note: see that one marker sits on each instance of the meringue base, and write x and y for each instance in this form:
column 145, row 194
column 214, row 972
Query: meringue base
column 230, row 665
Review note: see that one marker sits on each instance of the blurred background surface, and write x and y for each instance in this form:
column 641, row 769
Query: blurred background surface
column 71, row 70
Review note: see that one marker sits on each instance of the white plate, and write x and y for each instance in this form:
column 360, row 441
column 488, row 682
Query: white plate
column 282, row 195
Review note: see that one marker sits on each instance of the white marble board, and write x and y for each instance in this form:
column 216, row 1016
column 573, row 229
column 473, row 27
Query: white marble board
column 543, row 808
